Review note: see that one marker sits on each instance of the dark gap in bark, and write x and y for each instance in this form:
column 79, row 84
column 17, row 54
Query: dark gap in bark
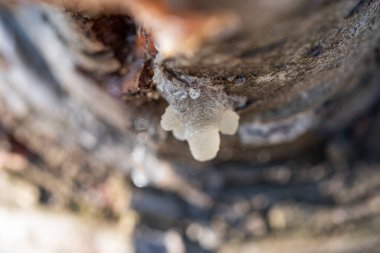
column 261, row 50
column 132, row 46
column 45, row 195
column 316, row 50
column 358, row 7
column 118, row 33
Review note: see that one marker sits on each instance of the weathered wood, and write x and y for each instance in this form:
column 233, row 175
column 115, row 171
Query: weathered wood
column 77, row 97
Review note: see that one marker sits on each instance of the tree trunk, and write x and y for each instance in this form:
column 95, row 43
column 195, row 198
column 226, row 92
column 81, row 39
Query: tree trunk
column 81, row 106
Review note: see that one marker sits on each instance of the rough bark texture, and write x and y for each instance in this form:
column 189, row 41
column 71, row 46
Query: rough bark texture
column 80, row 120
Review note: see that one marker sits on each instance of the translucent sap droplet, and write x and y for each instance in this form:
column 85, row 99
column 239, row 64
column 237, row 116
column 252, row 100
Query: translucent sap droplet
column 139, row 178
column 181, row 94
column 194, row 93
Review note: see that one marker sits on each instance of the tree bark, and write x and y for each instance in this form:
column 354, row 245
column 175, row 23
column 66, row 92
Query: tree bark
column 78, row 102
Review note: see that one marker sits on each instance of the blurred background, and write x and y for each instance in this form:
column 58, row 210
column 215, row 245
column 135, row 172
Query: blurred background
column 85, row 166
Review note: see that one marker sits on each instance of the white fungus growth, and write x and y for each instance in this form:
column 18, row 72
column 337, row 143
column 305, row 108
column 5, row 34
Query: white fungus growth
column 200, row 116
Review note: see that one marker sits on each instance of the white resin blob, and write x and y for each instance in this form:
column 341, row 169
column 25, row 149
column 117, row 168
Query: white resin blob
column 197, row 112
column 203, row 137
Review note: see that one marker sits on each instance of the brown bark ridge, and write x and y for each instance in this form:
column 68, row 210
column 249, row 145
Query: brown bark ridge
column 290, row 65
column 77, row 99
